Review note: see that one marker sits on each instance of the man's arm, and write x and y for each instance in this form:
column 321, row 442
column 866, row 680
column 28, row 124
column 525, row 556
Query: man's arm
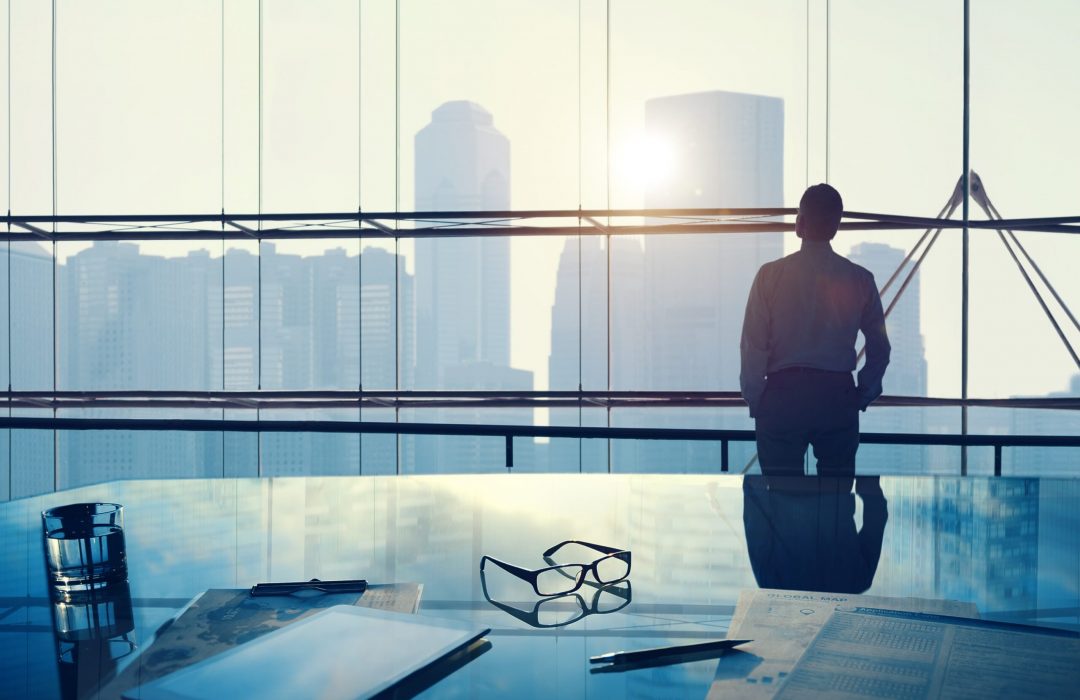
column 754, row 347
column 878, row 348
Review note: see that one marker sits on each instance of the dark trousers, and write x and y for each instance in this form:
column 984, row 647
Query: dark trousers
column 801, row 408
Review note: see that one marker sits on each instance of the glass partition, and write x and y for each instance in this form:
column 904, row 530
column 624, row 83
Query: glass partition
column 1025, row 150
column 226, row 110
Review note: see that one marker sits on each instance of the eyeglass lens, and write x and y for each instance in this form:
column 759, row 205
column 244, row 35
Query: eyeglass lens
column 560, row 611
column 611, row 569
column 559, row 579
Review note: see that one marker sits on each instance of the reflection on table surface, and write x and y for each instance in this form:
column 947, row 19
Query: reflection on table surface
column 1008, row 545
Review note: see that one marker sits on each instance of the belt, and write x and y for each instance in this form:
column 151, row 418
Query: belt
column 805, row 370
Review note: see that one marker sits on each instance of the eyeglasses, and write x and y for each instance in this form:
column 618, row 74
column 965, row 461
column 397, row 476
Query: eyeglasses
column 559, row 611
column 561, row 579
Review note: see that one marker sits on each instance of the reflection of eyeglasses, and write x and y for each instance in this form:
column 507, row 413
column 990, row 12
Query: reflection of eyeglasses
column 559, row 610
column 561, row 579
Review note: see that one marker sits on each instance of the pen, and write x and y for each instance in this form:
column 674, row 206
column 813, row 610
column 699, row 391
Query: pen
column 290, row 587
column 629, row 657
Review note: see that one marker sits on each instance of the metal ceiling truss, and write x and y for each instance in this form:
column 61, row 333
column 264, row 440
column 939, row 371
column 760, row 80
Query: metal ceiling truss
column 264, row 400
column 457, row 224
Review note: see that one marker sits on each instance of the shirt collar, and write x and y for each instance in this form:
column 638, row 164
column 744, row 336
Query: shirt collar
column 812, row 245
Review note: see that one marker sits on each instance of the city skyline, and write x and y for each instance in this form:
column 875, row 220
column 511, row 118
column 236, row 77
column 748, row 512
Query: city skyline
column 290, row 321
column 573, row 105
column 446, row 299
column 472, row 313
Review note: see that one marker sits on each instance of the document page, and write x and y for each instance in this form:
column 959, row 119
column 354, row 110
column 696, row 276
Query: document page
column 221, row 618
column 783, row 623
column 874, row 653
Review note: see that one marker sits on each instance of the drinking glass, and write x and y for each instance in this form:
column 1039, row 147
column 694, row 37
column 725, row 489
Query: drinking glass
column 84, row 547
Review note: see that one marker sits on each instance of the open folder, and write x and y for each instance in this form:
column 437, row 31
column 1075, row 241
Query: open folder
column 342, row 652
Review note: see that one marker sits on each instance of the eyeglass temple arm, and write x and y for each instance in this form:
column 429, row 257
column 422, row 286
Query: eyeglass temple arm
column 598, row 547
column 515, row 570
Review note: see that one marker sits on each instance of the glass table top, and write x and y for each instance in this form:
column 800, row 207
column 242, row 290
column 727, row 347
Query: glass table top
column 1008, row 545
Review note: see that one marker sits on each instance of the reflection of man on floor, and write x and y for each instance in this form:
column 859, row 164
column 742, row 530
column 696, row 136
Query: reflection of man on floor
column 801, row 535
column 798, row 347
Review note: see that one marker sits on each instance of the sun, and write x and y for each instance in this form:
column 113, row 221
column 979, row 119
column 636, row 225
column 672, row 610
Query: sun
column 646, row 160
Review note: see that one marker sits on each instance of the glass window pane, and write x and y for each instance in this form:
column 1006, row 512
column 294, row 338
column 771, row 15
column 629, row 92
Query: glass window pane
column 309, row 454
column 129, row 318
column 309, row 307
column 1026, row 150
column 94, row 456
column 913, row 170
column 138, row 128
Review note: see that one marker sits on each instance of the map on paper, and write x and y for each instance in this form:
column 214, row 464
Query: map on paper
column 219, row 619
column 783, row 624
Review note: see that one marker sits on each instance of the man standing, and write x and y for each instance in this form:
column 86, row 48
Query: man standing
column 798, row 347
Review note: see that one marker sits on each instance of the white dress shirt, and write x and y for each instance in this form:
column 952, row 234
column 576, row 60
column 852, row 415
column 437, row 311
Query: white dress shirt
column 805, row 310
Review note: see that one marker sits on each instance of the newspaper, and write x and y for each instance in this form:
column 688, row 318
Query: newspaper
column 875, row 653
column 783, row 624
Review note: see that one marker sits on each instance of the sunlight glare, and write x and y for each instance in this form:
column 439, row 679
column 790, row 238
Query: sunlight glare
column 646, row 160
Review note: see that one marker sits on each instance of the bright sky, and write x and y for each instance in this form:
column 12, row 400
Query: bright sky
column 149, row 118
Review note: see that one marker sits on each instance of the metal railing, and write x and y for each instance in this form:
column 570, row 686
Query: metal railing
column 509, row 432
column 393, row 225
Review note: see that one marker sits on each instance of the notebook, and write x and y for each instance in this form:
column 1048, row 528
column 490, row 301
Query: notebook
column 343, row 652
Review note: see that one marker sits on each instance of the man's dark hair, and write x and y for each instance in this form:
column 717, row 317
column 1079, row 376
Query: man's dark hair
column 820, row 210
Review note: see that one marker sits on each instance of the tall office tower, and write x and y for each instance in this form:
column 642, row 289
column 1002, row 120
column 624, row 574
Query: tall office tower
column 97, row 335
column 137, row 321
column 241, row 324
column 333, row 277
column 462, row 284
column 287, row 329
column 239, row 353
column 727, row 151
column 279, row 337
column 462, row 306
column 579, row 338
column 387, row 321
column 987, row 542
column 387, row 346
column 311, row 340
column 906, row 374
column 31, row 341
column 317, row 326
column 335, row 317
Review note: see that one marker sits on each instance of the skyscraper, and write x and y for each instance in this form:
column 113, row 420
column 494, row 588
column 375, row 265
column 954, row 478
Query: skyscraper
column 906, row 374
column 462, row 302
column 30, row 362
column 131, row 320
column 387, row 346
column 986, row 546
column 128, row 320
column 462, row 284
column 579, row 342
column 728, row 151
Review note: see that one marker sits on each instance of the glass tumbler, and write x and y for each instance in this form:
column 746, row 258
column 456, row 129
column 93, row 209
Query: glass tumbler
column 84, row 547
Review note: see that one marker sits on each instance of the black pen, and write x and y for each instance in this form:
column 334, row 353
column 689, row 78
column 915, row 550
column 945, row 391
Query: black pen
column 630, row 657
column 290, row 587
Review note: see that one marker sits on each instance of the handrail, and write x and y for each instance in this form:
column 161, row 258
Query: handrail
column 509, row 432
column 442, row 398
